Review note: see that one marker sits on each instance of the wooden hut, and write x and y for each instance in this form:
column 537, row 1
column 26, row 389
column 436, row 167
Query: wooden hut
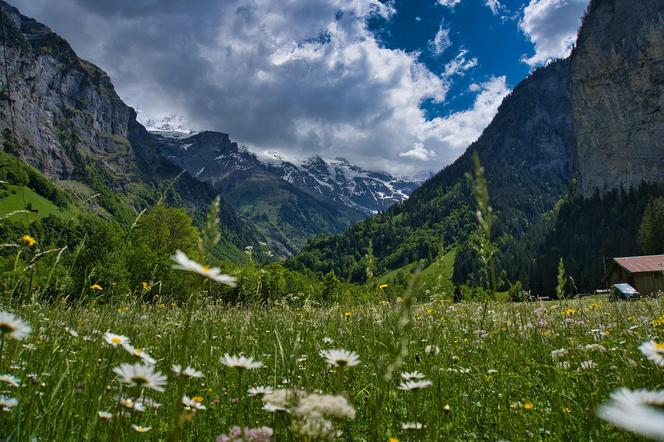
column 644, row 273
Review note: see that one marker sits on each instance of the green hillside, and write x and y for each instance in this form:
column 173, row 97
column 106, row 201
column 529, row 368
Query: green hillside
column 13, row 198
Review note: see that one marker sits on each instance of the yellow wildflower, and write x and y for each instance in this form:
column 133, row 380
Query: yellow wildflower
column 96, row 287
column 383, row 286
column 393, row 439
column 146, row 286
column 348, row 314
column 569, row 312
column 528, row 406
column 29, row 240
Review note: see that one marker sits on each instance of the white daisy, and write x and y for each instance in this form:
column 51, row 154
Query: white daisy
column 259, row 390
column 105, row 415
column 192, row 404
column 634, row 411
column 340, row 358
column 412, row 376
column 140, row 375
column 327, row 340
column 115, row 340
column 10, row 380
column 189, row 372
column 653, row 351
column 214, row 273
column 139, row 353
column 414, row 385
column 7, row 403
column 240, row 362
column 12, row 326
column 140, row 428
column 272, row 408
column 130, row 404
column 432, row 350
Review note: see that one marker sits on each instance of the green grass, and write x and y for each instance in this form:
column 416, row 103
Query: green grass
column 435, row 280
column 14, row 200
column 497, row 383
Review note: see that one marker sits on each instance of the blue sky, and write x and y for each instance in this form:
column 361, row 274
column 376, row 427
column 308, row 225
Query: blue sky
column 397, row 85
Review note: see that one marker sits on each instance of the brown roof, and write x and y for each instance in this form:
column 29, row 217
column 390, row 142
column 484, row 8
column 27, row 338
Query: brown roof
column 642, row 264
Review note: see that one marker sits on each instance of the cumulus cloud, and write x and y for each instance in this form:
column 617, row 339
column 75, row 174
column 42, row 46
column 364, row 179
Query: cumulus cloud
column 441, row 41
column 494, row 5
column 552, row 26
column 419, row 152
column 300, row 77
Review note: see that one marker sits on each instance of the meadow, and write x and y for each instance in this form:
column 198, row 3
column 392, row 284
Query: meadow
column 435, row 371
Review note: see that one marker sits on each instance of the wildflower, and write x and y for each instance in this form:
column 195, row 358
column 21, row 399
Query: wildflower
column 383, row 286
column 340, row 358
column 564, row 365
column 587, row 365
column 115, row 340
column 555, row 354
column 189, row 372
column 393, row 439
column 105, row 415
column 189, row 265
column 96, row 287
column 240, row 362
column 139, row 353
column 259, row 390
column 29, row 240
column 7, row 403
column 130, row 404
column 10, row 380
column 409, row 426
column 140, row 428
column 569, row 312
column 348, row 314
column 280, row 399
column 236, row 434
column 411, row 376
column 414, row 385
column 13, row 327
column 140, row 375
column 145, row 285
column 193, row 403
column 432, row 349
column 328, row 340
column 653, row 351
column 595, row 347
column 447, row 408
column 316, row 405
column 635, row 411
column 528, row 406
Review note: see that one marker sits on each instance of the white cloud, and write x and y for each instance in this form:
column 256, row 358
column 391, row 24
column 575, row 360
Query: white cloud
column 449, row 3
column 551, row 25
column 441, row 41
column 460, row 64
column 449, row 136
column 494, row 5
column 301, row 77
column 419, row 152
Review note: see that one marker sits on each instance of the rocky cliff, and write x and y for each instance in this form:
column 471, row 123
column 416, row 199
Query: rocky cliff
column 617, row 93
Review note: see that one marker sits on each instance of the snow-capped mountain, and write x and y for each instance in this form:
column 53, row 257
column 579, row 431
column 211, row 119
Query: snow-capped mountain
column 338, row 180
column 289, row 200
column 215, row 156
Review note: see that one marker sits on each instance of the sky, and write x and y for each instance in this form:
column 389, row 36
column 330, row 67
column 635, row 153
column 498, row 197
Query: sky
column 402, row 86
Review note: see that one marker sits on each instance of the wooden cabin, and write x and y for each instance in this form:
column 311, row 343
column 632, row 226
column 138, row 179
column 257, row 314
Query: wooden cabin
column 644, row 273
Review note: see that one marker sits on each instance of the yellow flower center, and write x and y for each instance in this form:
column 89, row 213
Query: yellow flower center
column 205, row 269
column 197, row 398
column 659, row 346
column 140, row 380
column 116, row 340
column 6, row 328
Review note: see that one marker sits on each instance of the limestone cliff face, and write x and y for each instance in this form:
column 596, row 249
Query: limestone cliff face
column 64, row 108
column 617, row 93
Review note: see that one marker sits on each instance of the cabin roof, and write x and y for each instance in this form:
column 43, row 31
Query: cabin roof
column 641, row 264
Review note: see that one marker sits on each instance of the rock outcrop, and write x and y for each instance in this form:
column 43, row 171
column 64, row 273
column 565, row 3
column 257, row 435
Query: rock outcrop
column 617, row 92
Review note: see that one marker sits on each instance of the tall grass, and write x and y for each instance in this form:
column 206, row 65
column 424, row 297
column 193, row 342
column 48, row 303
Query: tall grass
column 498, row 383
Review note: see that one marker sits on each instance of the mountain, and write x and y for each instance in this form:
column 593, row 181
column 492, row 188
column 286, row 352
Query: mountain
column 69, row 123
column 616, row 86
column 617, row 92
column 527, row 153
column 288, row 202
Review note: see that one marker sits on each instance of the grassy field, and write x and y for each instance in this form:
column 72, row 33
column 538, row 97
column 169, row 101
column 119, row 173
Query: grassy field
column 491, row 379
column 15, row 196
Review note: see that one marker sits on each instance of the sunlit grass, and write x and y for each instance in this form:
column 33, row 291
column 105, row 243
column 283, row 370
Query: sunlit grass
column 498, row 383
